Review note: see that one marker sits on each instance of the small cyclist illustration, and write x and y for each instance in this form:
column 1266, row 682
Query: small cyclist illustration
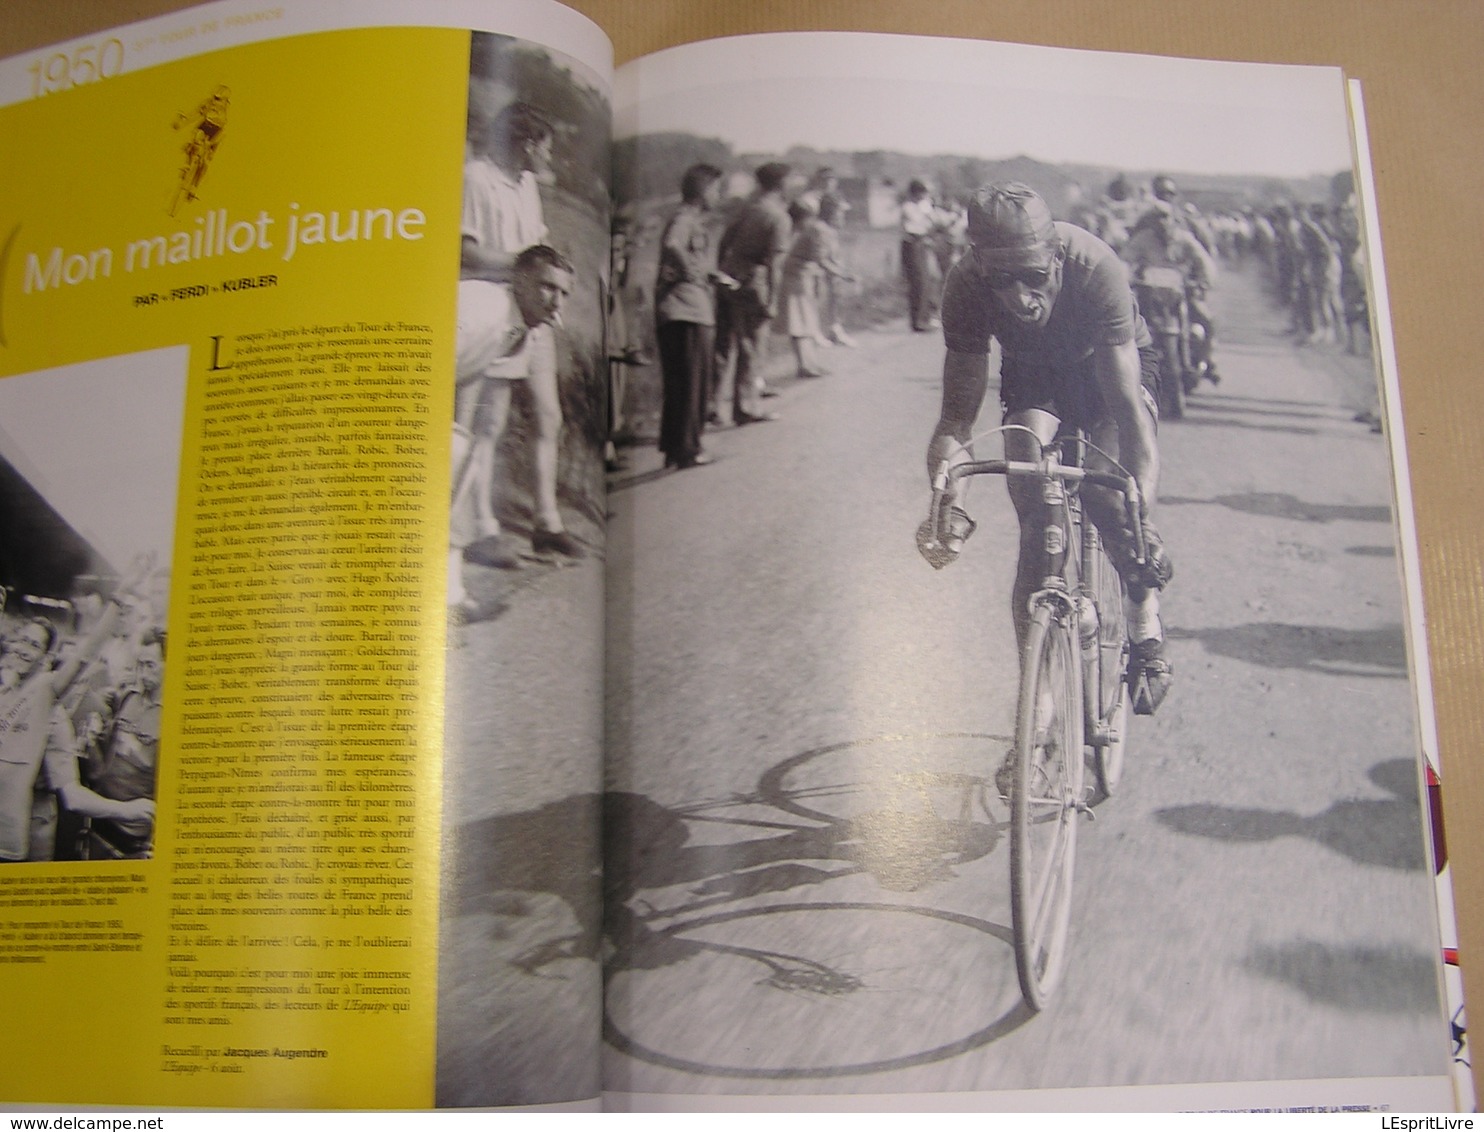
column 206, row 124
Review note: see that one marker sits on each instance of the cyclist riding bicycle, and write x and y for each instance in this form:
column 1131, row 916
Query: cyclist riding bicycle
column 1074, row 354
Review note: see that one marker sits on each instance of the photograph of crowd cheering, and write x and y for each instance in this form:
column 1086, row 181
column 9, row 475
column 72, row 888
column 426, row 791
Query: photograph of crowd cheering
column 88, row 466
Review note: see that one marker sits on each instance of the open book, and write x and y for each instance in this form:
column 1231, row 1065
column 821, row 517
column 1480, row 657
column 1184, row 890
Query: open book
column 465, row 639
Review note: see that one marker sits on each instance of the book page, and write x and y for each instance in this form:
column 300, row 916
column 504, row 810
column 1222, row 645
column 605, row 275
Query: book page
column 274, row 817
column 809, row 850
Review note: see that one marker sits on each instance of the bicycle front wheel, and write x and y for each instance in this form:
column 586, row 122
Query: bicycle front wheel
column 1045, row 804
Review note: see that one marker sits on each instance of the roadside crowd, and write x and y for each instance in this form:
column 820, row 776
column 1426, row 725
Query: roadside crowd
column 774, row 266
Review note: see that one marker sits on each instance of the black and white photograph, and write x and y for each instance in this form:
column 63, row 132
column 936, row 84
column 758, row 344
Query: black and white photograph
column 1107, row 777
column 518, row 958
column 89, row 466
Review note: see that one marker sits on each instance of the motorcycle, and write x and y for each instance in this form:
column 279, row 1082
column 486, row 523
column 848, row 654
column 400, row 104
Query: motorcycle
column 1161, row 295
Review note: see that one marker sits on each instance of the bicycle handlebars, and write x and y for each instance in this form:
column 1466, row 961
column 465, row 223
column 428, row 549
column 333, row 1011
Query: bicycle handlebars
column 1048, row 467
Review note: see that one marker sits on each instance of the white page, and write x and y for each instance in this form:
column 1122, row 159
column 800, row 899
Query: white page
column 805, row 896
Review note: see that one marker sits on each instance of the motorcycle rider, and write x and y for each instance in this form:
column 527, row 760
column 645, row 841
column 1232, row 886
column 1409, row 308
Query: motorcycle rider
column 1189, row 217
column 1074, row 353
column 1160, row 240
column 1164, row 189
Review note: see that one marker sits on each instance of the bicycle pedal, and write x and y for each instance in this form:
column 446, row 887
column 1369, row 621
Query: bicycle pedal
column 1145, row 695
column 1139, row 696
column 1085, row 809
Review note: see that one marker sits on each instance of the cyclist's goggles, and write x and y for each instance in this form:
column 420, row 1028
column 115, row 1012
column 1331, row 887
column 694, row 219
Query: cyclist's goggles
column 1002, row 279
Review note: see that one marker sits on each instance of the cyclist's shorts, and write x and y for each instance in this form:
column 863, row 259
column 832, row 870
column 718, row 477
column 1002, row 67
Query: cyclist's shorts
column 1071, row 394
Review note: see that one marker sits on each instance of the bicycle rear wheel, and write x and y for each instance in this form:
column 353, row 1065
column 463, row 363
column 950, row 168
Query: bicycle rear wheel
column 1171, row 378
column 1113, row 702
column 1044, row 804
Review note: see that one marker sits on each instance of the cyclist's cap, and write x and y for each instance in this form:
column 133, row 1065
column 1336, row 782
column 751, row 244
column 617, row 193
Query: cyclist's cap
column 1010, row 226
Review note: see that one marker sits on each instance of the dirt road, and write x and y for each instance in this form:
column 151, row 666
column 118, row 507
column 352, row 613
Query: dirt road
column 804, row 895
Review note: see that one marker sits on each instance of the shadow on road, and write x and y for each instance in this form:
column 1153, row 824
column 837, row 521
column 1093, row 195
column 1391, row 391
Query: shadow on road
column 1385, row 832
column 1259, row 404
column 497, row 862
column 518, row 972
column 707, row 912
column 1272, row 407
column 648, row 848
column 1280, row 505
column 1194, row 419
column 1390, row 980
column 1375, row 653
column 813, row 985
column 637, row 479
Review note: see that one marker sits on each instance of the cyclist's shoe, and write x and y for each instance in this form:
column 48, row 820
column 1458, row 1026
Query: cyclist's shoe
column 1158, row 567
column 556, row 542
column 957, row 529
column 494, row 551
column 1150, row 675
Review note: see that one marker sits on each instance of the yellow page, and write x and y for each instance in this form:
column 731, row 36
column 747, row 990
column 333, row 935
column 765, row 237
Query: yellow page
column 228, row 287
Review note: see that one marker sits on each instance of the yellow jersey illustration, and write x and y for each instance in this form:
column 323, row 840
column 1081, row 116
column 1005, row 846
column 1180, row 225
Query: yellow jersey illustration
column 207, row 124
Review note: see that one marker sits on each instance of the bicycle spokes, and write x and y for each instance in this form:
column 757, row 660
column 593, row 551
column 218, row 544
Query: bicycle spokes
column 1046, row 802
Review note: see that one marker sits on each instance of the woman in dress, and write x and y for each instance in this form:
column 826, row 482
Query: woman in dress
column 813, row 258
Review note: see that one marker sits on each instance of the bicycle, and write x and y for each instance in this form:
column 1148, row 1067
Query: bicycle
column 1074, row 692
column 198, row 154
